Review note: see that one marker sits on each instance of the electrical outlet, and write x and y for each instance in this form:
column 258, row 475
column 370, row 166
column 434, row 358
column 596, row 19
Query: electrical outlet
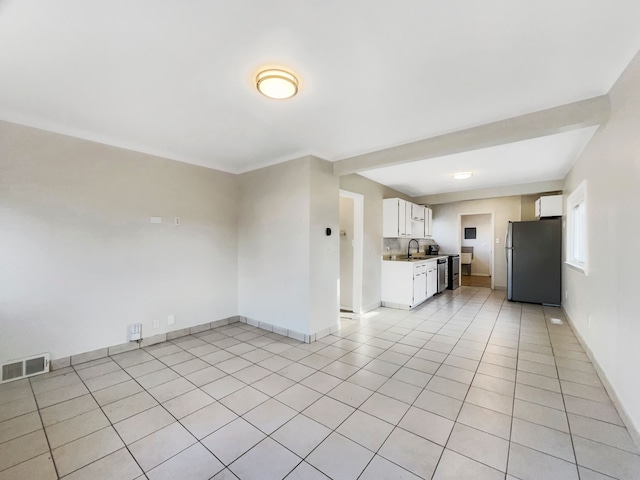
column 171, row 320
column 588, row 320
column 566, row 294
column 176, row 221
column 497, row 240
column 156, row 323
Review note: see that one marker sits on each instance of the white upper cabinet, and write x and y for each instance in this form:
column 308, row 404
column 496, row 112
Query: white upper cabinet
column 549, row 206
column 428, row 222
column 396, row 218
column 417, row 212
column 402, row 219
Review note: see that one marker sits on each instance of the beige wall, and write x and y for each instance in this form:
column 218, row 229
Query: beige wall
column 79, row 258
column 447, row 231
column 288, row 267
column 372, row 239
column 603, row 305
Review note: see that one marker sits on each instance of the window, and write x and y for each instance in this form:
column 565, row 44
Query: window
column 577, row 228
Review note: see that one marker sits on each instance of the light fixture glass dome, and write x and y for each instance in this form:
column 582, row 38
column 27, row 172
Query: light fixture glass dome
column 278, row 84
column 462, row 175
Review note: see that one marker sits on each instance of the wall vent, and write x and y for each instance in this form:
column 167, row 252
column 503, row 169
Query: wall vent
column 25, row 367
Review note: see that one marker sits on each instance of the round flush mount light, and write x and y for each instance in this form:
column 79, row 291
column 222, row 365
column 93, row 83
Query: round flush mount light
column 462, row 175
column 278, row 84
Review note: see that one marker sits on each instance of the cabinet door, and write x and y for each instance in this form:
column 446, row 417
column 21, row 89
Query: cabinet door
column 419, row 288
column 405, row 218
column 428, row 222
column 402, row 218
column 417, row 212
column 390, row 216
column 432, row 281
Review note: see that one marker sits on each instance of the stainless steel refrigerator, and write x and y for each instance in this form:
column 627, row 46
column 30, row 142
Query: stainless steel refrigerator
column 534, row 261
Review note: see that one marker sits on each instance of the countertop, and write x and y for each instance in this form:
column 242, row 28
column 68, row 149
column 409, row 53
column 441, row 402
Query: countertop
column 414, row 258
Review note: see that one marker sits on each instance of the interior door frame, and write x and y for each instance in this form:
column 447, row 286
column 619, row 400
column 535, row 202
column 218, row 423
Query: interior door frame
column 493, row 245
column 358, row 247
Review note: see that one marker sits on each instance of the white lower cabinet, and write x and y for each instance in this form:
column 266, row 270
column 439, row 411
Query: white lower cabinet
column 419, row 283
column 432, row 280
column 406, row 285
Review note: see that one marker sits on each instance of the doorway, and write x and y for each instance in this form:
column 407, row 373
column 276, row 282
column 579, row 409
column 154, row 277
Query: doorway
column 351, row 251
column 476, row 247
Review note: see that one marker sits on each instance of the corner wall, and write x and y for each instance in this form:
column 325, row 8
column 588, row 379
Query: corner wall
column 79, row 258
column 603, row 305
column 288, row 268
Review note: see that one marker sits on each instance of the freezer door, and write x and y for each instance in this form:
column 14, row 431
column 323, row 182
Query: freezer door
column 536, row 261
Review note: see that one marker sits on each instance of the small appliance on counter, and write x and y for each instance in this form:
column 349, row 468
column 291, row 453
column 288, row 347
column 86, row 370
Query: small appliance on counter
column 433, row 249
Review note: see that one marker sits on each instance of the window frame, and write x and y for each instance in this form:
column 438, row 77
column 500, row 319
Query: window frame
column 577, row 256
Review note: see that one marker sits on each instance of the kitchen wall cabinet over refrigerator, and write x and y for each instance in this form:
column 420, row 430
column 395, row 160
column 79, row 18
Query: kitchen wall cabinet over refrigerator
column 549, row 206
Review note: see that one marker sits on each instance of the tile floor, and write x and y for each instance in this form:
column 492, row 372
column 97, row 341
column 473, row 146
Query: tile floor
column 468, row 386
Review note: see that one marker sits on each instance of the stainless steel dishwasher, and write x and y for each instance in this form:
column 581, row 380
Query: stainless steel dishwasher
column 443, row 274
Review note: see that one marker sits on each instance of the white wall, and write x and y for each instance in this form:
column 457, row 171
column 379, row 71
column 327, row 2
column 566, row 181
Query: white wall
column 372, row 242
column 611, row 166
column 446, row 227
column 287, row 267
column 324, row 250
column 482, row 244
column 273, row 245
column 346, row 252
column 79, row 258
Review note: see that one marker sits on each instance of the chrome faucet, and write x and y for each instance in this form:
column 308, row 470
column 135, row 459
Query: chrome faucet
column 409, row 247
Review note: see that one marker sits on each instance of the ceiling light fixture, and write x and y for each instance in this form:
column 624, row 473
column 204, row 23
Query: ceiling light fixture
column 462, row 175
column 278, row 84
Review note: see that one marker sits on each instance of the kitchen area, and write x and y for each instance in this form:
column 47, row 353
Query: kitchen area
column 413, row 267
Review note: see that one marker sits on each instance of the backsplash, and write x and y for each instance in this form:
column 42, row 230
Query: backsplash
column 398, row 246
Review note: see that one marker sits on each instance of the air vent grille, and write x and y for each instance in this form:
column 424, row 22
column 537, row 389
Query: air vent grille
column 12, row 371
column 25, row 367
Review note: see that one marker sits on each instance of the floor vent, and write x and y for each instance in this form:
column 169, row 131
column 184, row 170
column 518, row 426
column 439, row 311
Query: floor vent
column 25, row 367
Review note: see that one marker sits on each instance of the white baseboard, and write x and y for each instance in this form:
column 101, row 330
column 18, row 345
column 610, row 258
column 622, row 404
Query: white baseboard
column 634, row 432
column 63, row 362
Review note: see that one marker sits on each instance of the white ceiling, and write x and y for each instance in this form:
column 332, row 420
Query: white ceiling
column 537, row 160
column 175, row 78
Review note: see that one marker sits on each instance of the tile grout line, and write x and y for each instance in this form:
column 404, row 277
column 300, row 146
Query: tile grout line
column 566, row 413
column 44, row 430
column 515, row 387
column 467, row 393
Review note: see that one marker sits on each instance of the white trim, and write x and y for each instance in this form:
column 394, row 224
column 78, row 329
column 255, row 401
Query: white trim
column 358, row 247
column 492, row 266
column 634, row 432
column 577, row 197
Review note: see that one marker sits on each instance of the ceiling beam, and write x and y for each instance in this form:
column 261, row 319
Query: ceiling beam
column 573, row 116
column 491, row 192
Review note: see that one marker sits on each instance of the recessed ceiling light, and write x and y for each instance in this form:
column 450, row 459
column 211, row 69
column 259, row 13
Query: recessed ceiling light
column 462, row 175
column 278, row 84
